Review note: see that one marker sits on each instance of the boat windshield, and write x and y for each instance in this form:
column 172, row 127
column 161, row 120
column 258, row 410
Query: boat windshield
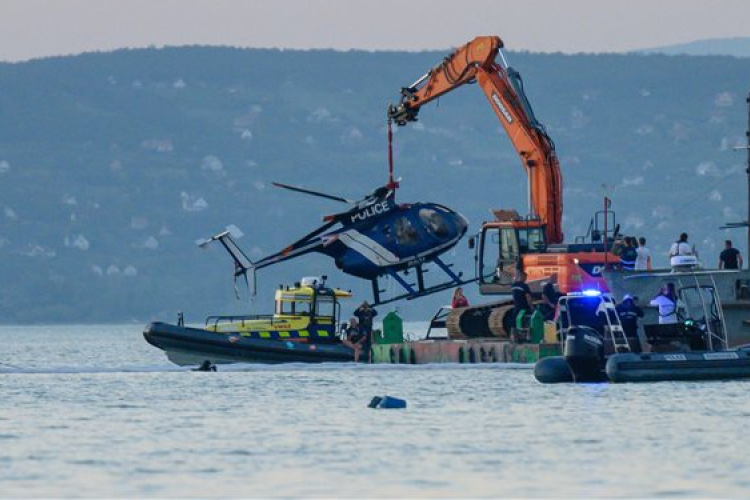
column 293, row 307
column 325, row 307
column 588, row 311
column 698, row 301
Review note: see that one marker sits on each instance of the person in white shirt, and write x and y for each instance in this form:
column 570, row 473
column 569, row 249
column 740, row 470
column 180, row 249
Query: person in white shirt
column 666, row 301
column 681, row 247
column 643, row 260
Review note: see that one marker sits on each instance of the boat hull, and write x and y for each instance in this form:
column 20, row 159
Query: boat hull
column 656, row 367
column 652, row 367
column 190, row 346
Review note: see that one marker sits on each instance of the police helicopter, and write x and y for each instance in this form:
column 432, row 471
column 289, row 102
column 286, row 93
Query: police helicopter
column 374, row 238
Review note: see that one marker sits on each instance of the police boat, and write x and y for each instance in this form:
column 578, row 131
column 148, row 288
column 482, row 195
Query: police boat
column 596, row 349
column 304, row 328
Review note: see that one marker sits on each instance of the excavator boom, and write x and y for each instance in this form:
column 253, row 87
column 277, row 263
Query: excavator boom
column 502, row 85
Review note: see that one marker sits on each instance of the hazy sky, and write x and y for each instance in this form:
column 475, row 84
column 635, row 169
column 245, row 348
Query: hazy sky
column 38, row 28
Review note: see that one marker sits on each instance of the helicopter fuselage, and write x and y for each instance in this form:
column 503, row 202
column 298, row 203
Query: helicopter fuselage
column 386, row 237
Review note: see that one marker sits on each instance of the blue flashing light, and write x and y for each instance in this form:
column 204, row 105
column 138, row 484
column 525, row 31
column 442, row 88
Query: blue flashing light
column 592, row 293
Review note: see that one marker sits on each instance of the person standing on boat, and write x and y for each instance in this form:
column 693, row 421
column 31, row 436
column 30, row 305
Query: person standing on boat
column 549, row 298
column 643, row 259
column 365, row 314
column 681, row 247
column 628, row 254
column 521, row 296
column 730, row 257
column 459, row 300
column 666, row 301
column 353, row 338
column 629, row 312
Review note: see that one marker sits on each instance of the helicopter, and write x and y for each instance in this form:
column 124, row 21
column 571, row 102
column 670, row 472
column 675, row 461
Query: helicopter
column 376, row 237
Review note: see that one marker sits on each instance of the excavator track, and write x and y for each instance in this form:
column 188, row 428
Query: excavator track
column 486, row 320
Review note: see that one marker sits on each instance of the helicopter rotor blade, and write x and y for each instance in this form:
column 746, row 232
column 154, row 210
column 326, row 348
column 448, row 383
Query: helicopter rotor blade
column 314, row 193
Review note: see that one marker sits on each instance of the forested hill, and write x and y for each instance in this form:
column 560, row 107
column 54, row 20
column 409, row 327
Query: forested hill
column 113, row 164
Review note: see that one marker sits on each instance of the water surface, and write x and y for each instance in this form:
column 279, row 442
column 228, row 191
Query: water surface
column 94, row 411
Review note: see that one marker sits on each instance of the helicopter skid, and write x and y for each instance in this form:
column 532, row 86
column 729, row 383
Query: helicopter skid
column 421, row 290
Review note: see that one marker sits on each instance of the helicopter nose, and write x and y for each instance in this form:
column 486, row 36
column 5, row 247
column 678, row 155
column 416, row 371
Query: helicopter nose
column 462, row 224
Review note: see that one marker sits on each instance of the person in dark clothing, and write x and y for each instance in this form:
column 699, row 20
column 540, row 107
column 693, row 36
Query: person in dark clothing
column 629, row 313
column 628, row 254
column 206, row 366
column 353, row 338
column 730, row 257
column 521, row 295
column 365, row 315
column 549, row 298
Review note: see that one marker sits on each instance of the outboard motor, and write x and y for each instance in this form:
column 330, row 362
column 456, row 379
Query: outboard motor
column 584, row 352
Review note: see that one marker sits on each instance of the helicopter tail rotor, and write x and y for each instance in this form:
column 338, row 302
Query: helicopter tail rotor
column 242, row 263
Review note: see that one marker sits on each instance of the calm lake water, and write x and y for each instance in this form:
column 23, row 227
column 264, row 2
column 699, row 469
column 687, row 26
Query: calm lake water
column 94, row 411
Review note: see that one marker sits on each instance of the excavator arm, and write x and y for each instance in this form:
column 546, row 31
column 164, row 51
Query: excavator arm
column 502, row 85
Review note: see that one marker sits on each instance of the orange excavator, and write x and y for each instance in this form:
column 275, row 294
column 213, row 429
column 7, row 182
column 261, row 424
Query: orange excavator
column 511, row 242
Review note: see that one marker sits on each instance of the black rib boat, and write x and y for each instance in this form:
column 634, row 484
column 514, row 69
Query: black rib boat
column 303, row 329
column 596, row 348
column 192, row 346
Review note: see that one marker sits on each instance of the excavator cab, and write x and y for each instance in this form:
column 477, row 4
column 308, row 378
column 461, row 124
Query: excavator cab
column 502, row 245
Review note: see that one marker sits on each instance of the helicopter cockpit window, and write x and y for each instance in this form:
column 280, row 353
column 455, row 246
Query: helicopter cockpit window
column 434, row 222
column 387, row 231
column 405, row 232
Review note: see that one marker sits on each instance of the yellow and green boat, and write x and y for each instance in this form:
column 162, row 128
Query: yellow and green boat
column 303, row 328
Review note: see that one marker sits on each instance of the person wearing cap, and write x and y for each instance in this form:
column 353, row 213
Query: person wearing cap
column 629, row 313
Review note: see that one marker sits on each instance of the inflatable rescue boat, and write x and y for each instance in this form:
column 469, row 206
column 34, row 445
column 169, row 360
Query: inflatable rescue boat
column 596, row 349
column 304, row 329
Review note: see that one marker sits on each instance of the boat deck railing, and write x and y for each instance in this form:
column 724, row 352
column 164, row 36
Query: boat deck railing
column 215, row 321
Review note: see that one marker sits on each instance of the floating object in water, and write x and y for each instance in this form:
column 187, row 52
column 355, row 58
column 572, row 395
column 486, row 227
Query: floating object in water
column 206, row 366
column 387, row 402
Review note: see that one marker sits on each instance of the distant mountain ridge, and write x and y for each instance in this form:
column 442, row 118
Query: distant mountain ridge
column 736, row 46
column 113, row 164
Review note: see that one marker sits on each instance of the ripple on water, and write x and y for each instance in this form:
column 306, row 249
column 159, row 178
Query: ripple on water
column 118, row 421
